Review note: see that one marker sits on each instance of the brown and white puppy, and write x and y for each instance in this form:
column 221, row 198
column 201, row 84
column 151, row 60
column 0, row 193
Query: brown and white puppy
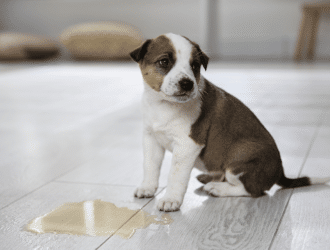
column 203, row 126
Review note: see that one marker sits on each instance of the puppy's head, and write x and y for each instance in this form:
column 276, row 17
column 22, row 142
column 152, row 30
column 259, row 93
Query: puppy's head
column 170, row 65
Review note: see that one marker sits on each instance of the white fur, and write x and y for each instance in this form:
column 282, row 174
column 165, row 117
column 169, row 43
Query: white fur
column 167, row 125
column 232, row 187
column 181, row 69
column 316, row 180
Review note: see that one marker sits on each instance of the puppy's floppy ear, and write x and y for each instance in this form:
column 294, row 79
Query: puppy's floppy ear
column 204, row 58
column 140, row 52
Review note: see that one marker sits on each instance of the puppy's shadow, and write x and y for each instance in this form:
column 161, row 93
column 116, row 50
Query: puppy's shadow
column 309, row 189
column 200, row 191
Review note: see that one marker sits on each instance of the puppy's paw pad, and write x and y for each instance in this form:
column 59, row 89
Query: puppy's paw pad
column 145, row 192
column 168, row 205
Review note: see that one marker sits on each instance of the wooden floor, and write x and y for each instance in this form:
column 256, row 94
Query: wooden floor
column 71, row 132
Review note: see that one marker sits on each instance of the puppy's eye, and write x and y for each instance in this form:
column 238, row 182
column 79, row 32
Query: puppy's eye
column 163, row 62
column 195, row 65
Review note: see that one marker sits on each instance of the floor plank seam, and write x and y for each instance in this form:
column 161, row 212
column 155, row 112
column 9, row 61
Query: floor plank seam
column 292, row 191
column 36, row 189
column 309, row 148
column 91, row 183
column 280, row 221
column 52, row 180
column 24, row 196
column 50, row 154
column 130, row 218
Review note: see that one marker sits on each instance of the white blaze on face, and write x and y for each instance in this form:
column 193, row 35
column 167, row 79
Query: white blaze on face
column 181, row 68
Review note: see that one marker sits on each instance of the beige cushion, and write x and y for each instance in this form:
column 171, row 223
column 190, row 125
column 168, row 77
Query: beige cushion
column 101, row 40
column 24, row 46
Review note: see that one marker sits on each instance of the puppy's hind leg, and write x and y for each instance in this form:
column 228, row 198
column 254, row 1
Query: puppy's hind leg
column 232, row 187
column 206, row 178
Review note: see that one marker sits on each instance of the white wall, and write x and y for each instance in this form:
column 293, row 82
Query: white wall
column 51, row 17
column 267, row 28
column 247, row 28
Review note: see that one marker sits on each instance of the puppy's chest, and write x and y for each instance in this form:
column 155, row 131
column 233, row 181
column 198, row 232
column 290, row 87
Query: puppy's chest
column 170, row 124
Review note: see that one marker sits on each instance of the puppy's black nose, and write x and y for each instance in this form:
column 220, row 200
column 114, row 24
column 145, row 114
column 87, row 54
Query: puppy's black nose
column 186, row 84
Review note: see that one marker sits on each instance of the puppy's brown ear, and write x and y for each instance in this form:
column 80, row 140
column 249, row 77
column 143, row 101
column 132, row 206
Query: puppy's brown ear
column 204, row 58
column 140, row 52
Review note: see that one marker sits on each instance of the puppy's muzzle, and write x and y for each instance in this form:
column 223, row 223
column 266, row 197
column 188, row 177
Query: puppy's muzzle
column 186, row 84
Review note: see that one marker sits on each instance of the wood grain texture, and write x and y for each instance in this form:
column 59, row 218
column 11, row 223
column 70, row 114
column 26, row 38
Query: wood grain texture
column 46, row 115
column 205, row 222
column 66, row 136
column 217, row 223
column 305, row 224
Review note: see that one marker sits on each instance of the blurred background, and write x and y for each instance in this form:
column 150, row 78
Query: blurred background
column 226, row 29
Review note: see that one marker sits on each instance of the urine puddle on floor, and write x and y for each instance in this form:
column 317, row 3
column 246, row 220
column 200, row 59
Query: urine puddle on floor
column 95, row 218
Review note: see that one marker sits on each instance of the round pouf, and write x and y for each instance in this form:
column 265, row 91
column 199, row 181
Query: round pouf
column 19, row 46
column 101, row 40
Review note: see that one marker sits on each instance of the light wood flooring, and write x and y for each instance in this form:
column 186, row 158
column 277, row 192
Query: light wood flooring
column 71, row 132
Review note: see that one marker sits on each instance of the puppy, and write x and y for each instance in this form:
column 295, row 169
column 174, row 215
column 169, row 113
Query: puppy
column 203, row 126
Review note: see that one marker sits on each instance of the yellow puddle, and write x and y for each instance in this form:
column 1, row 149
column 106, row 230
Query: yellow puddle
column 95, row 218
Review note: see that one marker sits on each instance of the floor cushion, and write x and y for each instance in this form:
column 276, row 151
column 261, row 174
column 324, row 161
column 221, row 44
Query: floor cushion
column 101, row 40
column 21, row 46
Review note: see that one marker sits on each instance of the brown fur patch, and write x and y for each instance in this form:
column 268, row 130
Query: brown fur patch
column 152, row 72
column 198, row 54
column 235, row 140
column 197, row 59
column 206, row 178
column 152, row 77
column 232, row 136
column 195, row 63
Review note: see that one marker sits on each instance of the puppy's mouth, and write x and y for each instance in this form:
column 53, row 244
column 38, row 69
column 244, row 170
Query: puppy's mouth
column 181, row 97
column 181, row 94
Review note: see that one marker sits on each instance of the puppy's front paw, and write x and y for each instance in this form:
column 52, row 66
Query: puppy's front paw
column 145, row 192
column 169, row 204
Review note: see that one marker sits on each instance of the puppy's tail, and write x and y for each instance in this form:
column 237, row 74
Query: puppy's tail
column 300, row 182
